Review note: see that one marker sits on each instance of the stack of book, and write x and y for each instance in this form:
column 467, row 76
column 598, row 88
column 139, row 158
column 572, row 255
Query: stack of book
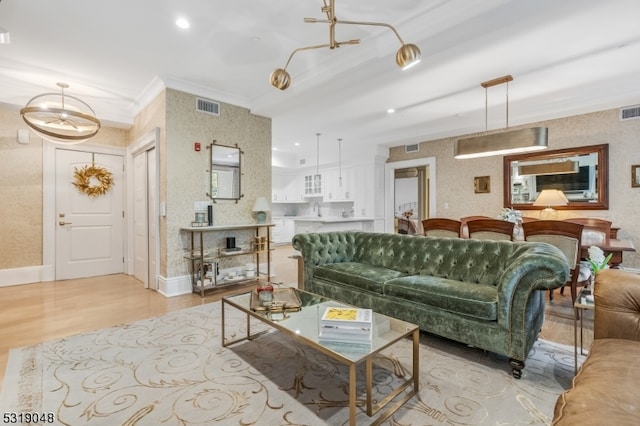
column 346, row 325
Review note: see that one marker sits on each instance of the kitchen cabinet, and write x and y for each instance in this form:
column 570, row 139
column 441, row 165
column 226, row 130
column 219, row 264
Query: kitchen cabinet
column 313, row 185
column 365, row 196
column 336, row 189
column 286, row 187
column 283, row 230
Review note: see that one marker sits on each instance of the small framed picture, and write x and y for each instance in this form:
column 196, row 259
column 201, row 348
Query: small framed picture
column 482, row 184
column 635, row 176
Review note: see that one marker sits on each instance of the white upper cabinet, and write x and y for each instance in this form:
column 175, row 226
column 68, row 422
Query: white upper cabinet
column 337, row 184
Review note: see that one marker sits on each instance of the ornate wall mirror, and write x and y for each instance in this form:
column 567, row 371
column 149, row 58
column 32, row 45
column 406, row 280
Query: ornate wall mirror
column 581, row 173
column 225, row 172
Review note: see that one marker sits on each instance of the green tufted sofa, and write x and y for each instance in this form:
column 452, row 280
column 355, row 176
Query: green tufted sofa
column 488, row 294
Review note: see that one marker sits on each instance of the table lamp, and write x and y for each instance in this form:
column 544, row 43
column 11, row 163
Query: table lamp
column 549, row 198
column 261, row 206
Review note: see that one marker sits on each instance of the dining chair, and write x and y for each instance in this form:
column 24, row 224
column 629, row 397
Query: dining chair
column 490, row 229
column 529, row 219
column 567, row 236
column 465, row 220
column 442, row 227
column 595, row 231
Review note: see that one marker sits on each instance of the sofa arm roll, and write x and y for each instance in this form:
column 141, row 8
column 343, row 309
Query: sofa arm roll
column 617, row 305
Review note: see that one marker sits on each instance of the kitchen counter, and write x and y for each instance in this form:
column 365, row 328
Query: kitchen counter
column 330, row 219
column 306, row 224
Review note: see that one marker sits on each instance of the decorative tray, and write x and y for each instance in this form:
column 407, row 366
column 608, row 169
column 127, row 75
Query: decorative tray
column 284, row 300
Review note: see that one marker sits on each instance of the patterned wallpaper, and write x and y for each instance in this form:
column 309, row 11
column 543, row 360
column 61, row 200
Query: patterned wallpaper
column 187, row 170
column 21, row 177
column 454, row 178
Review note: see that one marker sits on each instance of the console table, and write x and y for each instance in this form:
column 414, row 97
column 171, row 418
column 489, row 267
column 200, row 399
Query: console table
column 204, row 260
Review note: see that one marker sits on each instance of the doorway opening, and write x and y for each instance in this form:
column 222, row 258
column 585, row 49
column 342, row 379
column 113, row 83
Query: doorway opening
column 409, row 195
column 411, row 199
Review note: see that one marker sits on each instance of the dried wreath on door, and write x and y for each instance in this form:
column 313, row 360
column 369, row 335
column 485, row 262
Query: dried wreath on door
column 93, row 180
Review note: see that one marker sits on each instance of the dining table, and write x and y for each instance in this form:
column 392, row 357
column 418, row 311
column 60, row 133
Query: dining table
column 615, row 246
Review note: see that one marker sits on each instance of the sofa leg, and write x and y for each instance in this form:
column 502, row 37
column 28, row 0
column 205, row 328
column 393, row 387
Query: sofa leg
column 516, row 367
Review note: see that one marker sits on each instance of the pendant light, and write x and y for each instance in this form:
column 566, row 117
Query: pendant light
column 523, row 140
column 407, row 55
column 60, row 118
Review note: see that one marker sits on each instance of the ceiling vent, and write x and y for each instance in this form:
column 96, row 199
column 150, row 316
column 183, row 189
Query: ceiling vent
column 630, row 113
column 207, row 106
column 303, row 161
column 411, row 148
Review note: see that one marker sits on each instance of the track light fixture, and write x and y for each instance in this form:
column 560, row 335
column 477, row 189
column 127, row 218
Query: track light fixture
column 407, row 56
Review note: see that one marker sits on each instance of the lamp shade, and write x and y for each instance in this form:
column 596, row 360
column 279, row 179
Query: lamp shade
column 407, row 56
column 261, row 205
column 551, row 198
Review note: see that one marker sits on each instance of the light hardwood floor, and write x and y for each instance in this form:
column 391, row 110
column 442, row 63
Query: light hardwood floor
column 34, row 313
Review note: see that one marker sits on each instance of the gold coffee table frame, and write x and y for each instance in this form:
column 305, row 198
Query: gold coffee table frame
column 303, row 326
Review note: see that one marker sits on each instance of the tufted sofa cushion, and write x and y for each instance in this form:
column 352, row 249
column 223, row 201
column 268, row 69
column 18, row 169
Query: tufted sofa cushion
column 475, row 300
column 371, row 278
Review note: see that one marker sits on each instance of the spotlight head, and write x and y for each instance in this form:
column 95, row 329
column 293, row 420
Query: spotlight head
column 407, row 56
column 280, row 78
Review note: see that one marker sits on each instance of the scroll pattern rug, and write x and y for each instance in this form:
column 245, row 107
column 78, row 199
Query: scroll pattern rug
column 172, row 370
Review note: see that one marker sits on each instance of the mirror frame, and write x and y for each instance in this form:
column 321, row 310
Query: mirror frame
column 602, row 181
column 212, row 165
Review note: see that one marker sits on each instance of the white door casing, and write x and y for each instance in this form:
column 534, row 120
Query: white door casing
column 144, row 205
column 145, row 222
column 89, row 237
column 140, row 229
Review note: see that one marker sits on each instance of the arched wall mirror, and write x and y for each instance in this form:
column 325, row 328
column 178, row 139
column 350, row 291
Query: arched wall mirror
column 581, row 173
column 225, row 172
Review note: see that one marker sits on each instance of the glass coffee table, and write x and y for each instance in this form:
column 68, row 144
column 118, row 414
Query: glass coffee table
column 303, row 325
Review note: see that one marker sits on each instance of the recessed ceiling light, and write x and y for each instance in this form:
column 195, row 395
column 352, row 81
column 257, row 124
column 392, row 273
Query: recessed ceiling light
column 274, row 149
column 391, row 111
column 182, row 23
column 297, row 144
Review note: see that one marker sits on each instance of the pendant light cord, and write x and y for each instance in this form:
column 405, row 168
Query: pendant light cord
column 317, row 154
column 340, row 162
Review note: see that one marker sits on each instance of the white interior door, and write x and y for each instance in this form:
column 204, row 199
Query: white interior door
column 89, row 230
column 145, row 217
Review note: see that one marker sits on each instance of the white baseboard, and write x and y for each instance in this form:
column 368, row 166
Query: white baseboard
column 174, row 286
column 26, row 275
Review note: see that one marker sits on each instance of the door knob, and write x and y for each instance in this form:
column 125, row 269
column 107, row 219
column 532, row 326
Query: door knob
column 61, row 223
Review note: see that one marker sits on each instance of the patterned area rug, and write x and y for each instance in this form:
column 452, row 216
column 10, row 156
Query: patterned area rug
column 172, row 370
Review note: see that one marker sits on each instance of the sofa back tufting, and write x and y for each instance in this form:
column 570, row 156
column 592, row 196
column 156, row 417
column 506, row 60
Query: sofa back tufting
column 479, row 261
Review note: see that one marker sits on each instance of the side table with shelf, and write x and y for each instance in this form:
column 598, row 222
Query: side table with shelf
column 205, row 277
column 581, row 304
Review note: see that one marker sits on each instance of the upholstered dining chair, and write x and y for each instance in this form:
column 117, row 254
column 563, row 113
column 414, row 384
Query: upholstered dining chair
column 567, row 236
column 442, row 227
column 595, row 231
column 490, row 229
column 465, row 220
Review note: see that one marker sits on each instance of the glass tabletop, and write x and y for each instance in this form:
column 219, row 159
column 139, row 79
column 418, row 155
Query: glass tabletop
column 305, row 324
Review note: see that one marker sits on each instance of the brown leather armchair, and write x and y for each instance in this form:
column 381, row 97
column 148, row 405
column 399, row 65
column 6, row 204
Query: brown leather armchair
column 605, row 390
